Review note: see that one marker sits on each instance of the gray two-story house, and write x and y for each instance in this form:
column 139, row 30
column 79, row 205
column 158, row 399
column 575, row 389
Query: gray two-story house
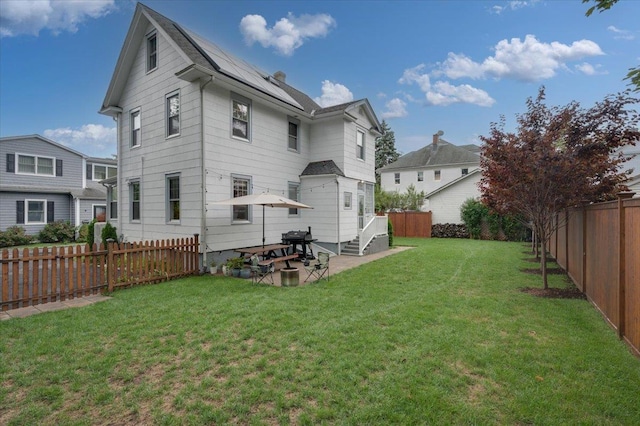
column 42, row 181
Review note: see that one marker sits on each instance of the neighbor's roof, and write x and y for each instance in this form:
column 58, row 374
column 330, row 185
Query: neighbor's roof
column 25, row 137
column 444, row 154
column 317, row 168
column 453, row 183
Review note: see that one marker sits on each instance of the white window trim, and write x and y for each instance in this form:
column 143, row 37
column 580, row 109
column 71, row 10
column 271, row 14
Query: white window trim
column 106, row 170
column 364, row 144
column 297, row 186
column 93, row 211
column 348, row 196
column 26, row 211
column 241, row 99
column 167, row 178
column 131, row 129
column 249, row 191
column 17, row 165
column 166, row 114
column 396, row 181
column 295, row 121
column 437, row 178
column 131, row 183
column 420, row 177
column 148, row 54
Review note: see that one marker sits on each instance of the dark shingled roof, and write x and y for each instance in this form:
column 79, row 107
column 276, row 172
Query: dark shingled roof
column 471, row 147
column 327, row 167
column 445, row 154
column 305, row 101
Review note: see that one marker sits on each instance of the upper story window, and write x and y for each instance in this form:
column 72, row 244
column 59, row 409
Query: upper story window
column 465, row 172
column 135, row 200
column 173, row 198
column 173, row 114
column 436, row 175
column 152, row 52
column 135, row 128
column 241, row 187
column 293, row 134
column 29, row 164
column 396, row 177
column 113, row 203
column 102, row 172
column 360, row 144
column 420, row 176
column 294, row 194
column 241, row 117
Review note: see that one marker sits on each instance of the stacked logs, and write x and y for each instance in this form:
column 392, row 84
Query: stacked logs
column 449, row 230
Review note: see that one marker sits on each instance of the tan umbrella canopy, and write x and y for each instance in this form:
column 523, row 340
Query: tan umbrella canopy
column 264, row 199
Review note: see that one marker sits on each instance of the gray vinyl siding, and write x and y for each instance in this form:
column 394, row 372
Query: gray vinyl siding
column 72, row 164
column 86, row 209
column 62, row 209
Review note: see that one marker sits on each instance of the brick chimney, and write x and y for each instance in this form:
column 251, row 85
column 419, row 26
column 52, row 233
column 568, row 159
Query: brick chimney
column 280, row 76
column 436, row 137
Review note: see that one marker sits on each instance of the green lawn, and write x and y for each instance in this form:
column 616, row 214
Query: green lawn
column 437, row 334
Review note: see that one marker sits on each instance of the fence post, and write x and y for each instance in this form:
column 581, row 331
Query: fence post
column 196, row 254
column 110, row 272
column 622, row 262
column 584, row 250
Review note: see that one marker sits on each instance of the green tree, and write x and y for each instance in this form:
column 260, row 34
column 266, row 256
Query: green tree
column 601, row 5
column 386, row 152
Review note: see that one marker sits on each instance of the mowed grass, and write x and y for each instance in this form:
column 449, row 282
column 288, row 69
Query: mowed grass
column 439, row 334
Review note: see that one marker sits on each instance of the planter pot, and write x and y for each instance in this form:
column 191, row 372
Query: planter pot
column 213, row 270
column 289, row 277
column 235, row 272
column 245, row 273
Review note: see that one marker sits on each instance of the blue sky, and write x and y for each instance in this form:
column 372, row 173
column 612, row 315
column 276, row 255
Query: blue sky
column 425, row 66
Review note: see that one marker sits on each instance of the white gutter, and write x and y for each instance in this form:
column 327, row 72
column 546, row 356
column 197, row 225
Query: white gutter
column 338, row 214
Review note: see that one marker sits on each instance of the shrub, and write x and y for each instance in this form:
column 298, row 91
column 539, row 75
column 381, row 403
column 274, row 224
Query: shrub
column 472, row 212
column 109, row 232
column 83, row 233
column 14, row 236
column 390, row 232
column 90, row 233
column 57, row 232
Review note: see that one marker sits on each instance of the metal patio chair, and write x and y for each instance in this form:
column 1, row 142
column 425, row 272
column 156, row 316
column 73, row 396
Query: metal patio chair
column 261, row 273
column 318, row 269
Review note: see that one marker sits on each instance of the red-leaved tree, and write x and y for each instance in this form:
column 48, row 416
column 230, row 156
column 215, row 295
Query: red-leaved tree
column 558, row 157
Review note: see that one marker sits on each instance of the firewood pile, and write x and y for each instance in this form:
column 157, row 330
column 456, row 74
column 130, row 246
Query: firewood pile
column 449, row 230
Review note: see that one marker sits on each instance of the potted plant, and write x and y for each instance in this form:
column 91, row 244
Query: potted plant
column 235, row 264
column 213, row 267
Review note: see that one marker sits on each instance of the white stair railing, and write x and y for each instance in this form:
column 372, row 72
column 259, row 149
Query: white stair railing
column 376, row 226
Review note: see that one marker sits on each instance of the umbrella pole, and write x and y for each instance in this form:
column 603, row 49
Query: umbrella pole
column 263, row 226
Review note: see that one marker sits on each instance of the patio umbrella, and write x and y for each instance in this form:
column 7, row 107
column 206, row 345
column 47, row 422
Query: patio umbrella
column 263, row 199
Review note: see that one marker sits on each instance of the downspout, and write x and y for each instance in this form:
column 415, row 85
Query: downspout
column 338, row 214
column 203, row 174
column 118, row 120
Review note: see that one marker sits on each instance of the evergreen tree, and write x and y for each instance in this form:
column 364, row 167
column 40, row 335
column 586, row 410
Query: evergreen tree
column 386, row 152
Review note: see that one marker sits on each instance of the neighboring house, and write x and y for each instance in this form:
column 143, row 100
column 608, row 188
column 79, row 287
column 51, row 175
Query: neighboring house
column 42, row 181
column 445, row 202
column 197, row 125
column 633, row 164
column 447, row 173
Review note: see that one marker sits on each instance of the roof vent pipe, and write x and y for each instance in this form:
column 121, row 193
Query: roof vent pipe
column 280, row 76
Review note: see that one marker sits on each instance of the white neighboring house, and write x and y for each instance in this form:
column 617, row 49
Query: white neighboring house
column 447, row 173
column 633, row 153
column 197, row 125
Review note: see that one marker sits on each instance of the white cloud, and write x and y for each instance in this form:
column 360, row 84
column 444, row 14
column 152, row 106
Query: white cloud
column 513, row 5
column 396, row 108
column 415, row 75
column 94, row 140
column 288, row 33
column 31, row 16
column 443, row 93
column 621, row 34
column 333, row 94
column 589, row 69
column 525, row 60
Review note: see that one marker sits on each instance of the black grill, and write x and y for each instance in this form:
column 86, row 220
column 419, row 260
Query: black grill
column 302, row 238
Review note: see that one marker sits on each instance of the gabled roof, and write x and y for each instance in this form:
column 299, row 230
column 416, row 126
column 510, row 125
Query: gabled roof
column 317, row 168
column 443, row 154
column 347, row 107
column 13, row 138
column 201, row 58
column 452, row 183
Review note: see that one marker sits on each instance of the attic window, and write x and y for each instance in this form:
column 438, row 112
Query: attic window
column 436, row 175
column 152, row 52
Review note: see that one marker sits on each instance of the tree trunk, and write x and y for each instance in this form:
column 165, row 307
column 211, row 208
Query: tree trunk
column 543, row 266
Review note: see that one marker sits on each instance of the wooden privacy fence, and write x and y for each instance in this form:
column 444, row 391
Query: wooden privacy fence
column 599, row 247
column 41, row 275
column 411, row 224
